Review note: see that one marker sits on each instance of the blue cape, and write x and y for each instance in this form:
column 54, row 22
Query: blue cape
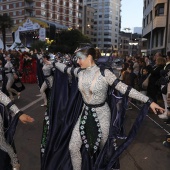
column 65, row 107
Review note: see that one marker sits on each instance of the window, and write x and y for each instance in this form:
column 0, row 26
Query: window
column 70, row 12
column 70, row 19
column 156, row 39
column 145, row 4
column 143, row 22
column 151, row 16
column 107, row 34
column 107, row 45
column 43, row 13
column 107, row 10
column 100, row 10
column 107, row 39
column 106, row 15
column 64, row 18
column 147, row 19
column 42, row 5
column 159, row 10
column 20, row 12
column 169, row 36
column 108, row 22
column 20, row 4
column 107, row 4
column 162, row 38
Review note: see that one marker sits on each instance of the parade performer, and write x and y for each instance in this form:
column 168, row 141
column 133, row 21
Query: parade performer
column 47, row 70
column 9, row 78
column 8, row 123
column 84, row 127
column 27, row 68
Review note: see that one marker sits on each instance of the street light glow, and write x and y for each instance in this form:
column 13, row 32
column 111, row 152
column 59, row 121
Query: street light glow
column 133, row 43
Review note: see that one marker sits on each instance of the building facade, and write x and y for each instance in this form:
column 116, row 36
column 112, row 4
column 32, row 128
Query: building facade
column 156, row 26
column 129, row 44
column 87, row 25
column 67, row 13
column 106, row 22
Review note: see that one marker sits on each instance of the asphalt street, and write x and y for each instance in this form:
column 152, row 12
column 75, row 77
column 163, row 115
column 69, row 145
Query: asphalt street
column 145, row 153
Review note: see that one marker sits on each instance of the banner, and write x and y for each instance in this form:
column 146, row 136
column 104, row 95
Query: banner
column 42, row 34
column 29, row 25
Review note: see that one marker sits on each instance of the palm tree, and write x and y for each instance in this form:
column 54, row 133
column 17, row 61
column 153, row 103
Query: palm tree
column 5, row 22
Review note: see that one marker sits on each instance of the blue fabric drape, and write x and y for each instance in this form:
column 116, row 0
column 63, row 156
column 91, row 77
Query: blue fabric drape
column 65, row 108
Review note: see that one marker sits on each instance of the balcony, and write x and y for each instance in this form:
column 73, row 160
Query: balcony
column 160, row 1
column 29, row 1
column 30, row 14
column 29, row 7
column 158, row 22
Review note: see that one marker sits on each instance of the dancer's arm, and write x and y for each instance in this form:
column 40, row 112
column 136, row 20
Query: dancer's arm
column 69, row 70
column 112, row 80
column 8, row 103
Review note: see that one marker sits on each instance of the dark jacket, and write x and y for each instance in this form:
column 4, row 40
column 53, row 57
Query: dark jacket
column 153, row 85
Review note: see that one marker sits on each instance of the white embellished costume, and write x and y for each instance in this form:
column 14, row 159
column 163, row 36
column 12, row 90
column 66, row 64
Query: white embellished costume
column 3, row 144
column 93, row 87
column 9, row 72
column 47, row 72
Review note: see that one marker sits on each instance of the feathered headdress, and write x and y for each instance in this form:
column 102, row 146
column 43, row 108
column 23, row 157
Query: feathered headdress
column 83, row 48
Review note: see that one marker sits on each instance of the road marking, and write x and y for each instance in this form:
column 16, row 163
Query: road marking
column 30, row 104
column 152, row 119
column 38, row 95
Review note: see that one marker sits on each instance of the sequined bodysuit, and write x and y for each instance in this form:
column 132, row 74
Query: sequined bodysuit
column 3, row 144
column 9, row 71
column 93, row 87
column 47, row 72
